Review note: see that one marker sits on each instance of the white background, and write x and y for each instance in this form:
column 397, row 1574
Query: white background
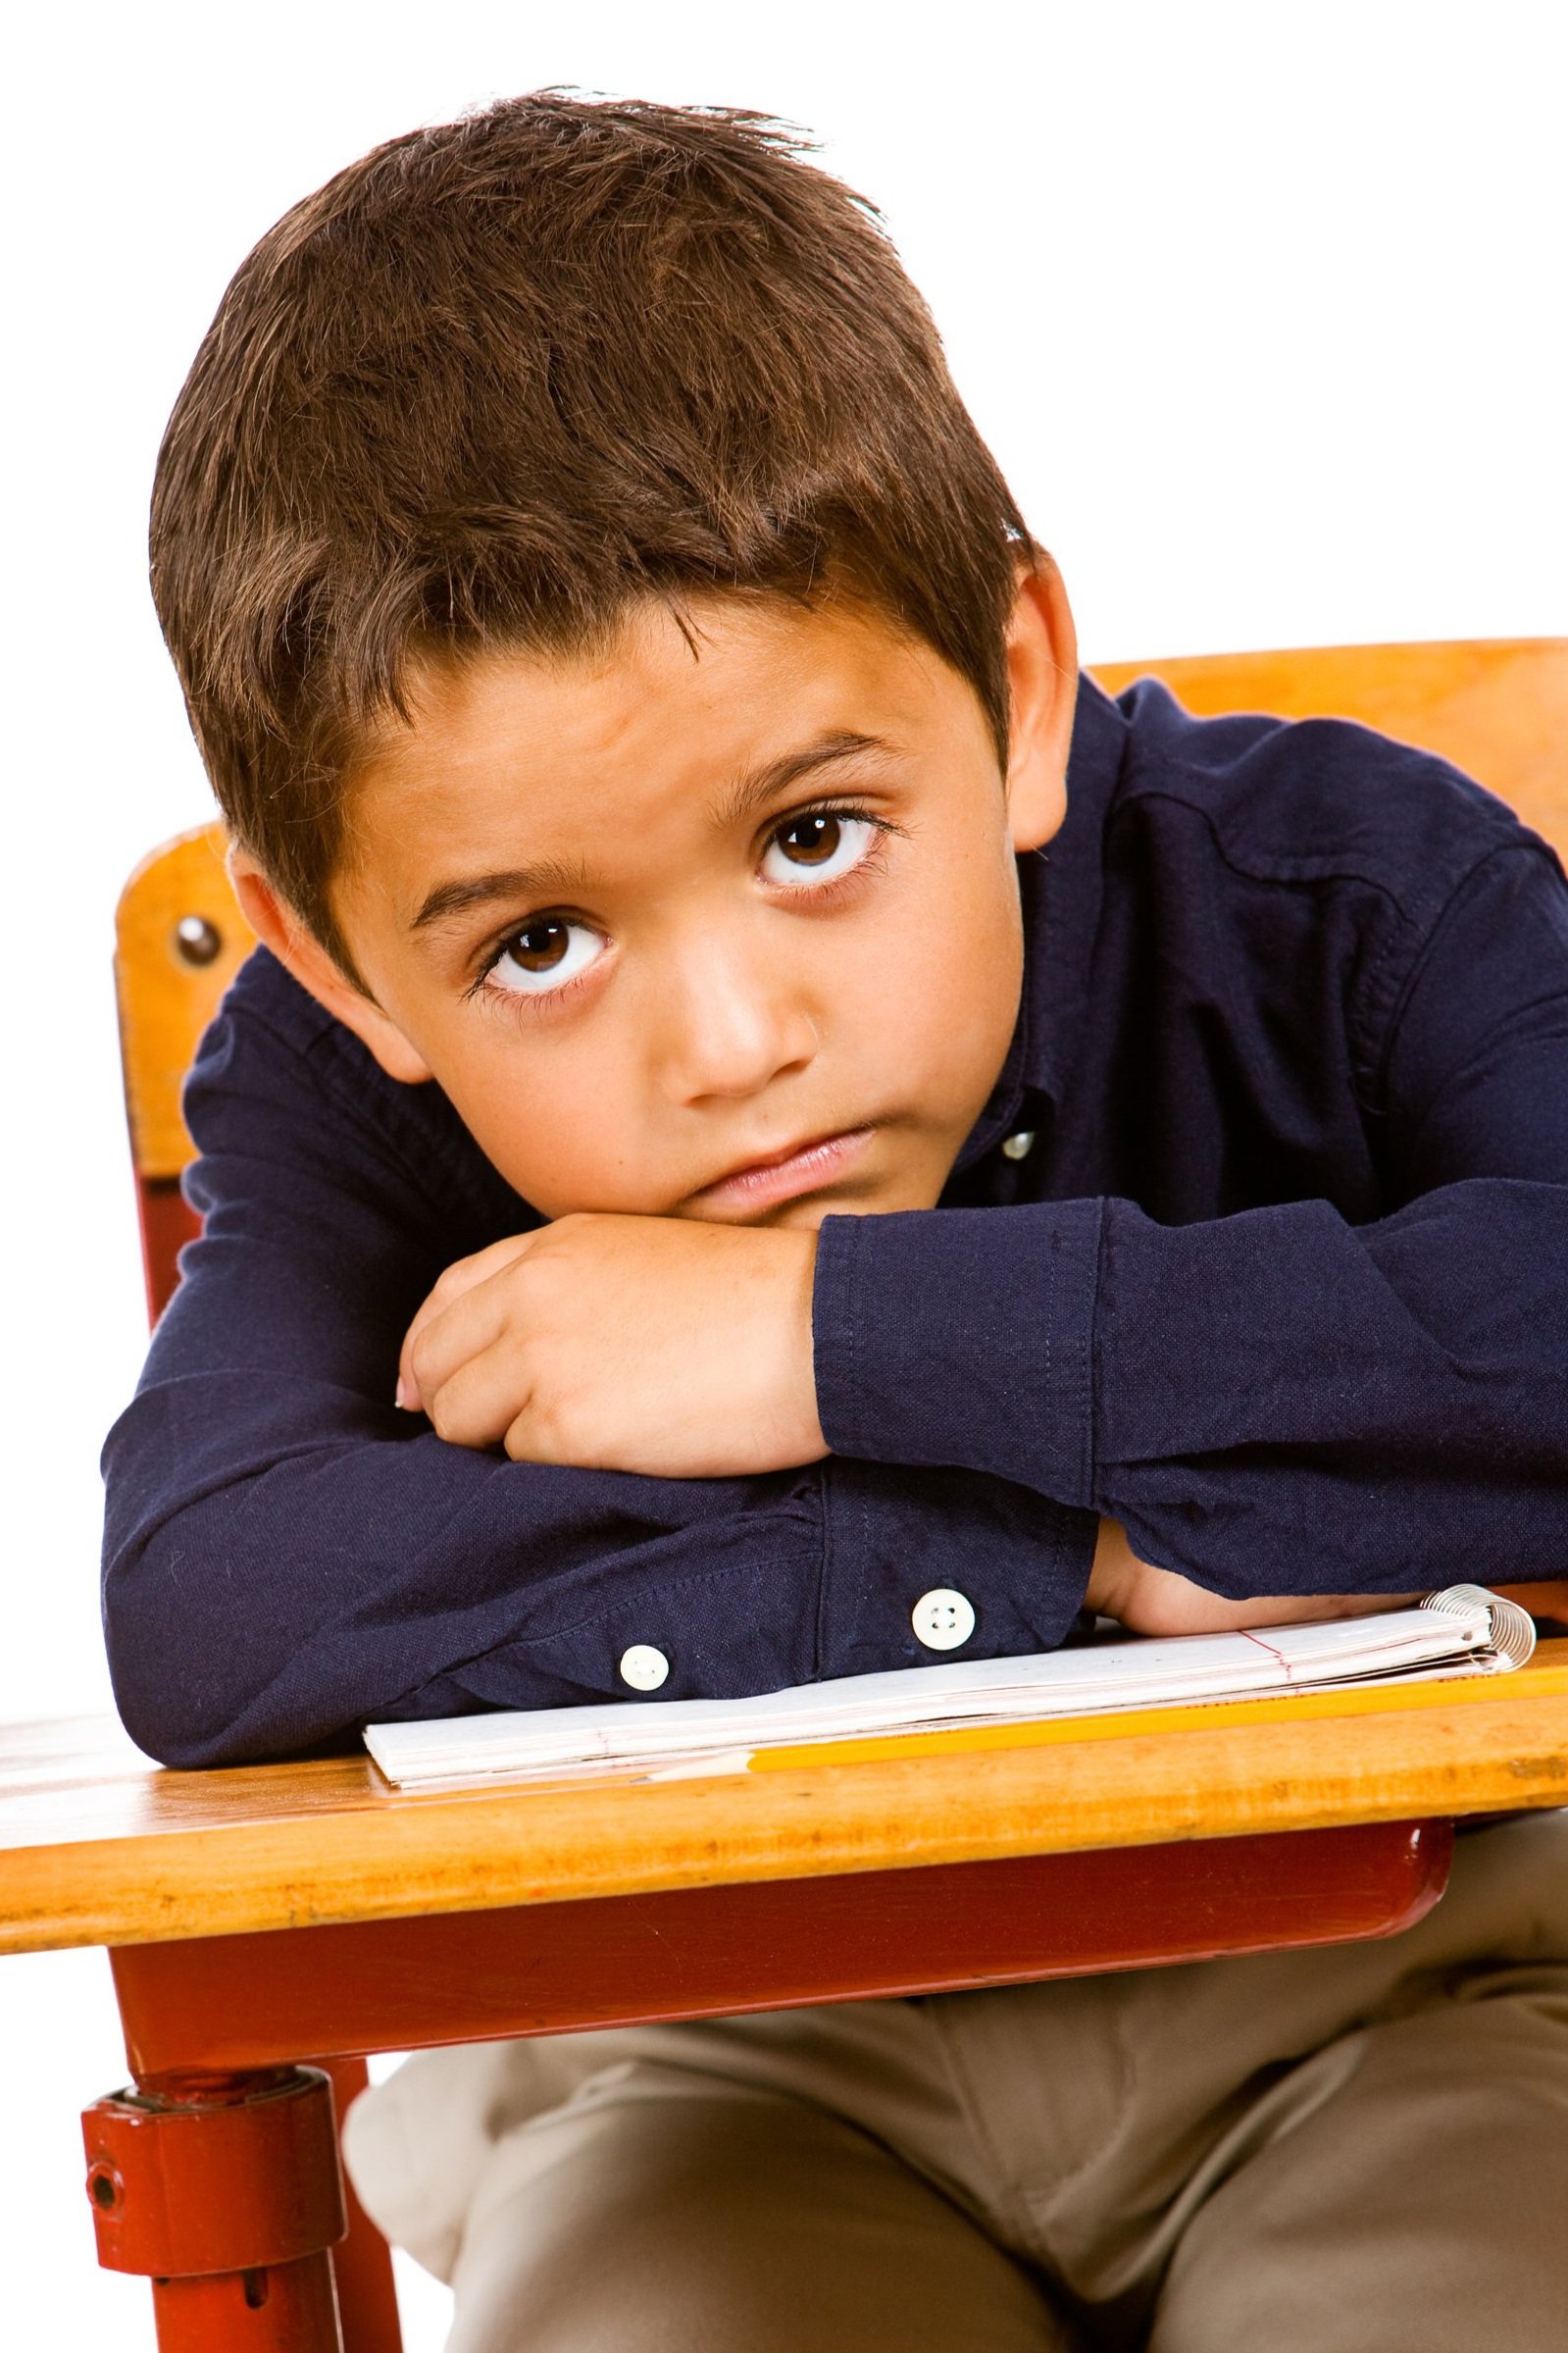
column 1259, row 306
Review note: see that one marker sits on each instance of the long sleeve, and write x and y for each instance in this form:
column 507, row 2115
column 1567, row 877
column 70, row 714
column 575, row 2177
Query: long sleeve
column 287, row 1557
column 1282, row 1286
column 1281, row 1400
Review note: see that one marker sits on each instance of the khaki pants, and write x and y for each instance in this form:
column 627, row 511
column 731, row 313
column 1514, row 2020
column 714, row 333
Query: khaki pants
column 1357, row 2150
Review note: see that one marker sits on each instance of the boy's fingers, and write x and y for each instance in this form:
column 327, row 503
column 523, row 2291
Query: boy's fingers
column 460, row 1278
column 525, row 1441
column 478, row 1403
column 465, row 1273
column 454, row 1336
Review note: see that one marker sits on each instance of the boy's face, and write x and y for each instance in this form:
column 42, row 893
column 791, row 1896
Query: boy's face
column 726, row 930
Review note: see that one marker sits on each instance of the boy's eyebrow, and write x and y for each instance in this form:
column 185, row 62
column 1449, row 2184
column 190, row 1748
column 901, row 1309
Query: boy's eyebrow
column 553, row 878
column 759, row 784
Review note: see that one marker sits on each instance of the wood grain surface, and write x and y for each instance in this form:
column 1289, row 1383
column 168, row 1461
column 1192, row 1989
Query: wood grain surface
column 97, row 1846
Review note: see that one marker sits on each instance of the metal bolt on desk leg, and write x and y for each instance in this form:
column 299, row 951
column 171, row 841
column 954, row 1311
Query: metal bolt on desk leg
column 224, row 2190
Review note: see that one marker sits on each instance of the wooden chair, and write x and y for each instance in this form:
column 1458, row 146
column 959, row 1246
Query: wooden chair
column 264, row 1913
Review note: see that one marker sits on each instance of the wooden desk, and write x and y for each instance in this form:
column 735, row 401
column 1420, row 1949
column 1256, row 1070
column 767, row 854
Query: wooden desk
column 100, row 1846
column 257, row 1916
column 260, row 1914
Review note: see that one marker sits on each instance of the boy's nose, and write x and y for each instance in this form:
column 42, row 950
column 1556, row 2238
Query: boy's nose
column 728, row 1025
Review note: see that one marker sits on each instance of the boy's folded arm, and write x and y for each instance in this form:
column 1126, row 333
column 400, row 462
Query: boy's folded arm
column 280, row 1567
column 1278, row 1401
column 1273, row 1402
column 287, row 1556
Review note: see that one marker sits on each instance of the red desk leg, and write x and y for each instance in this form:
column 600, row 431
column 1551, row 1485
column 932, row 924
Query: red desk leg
column 362, row 2262
column 225, row 2191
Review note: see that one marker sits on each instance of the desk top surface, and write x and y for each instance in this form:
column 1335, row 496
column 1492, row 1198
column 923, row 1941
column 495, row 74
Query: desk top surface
column 100, row 1846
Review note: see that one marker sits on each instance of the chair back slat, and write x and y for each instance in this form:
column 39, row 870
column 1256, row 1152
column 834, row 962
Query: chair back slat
column 179, row 939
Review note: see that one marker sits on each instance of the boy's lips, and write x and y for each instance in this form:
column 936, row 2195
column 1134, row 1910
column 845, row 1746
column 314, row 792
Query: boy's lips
column 801, row 1168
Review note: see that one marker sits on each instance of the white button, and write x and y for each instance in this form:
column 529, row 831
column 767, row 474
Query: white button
column 1019, row 1146
column 643, row 1668
column 942, row 1619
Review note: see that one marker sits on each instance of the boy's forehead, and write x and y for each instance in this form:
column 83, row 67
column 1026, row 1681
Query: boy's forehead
column 690, row 717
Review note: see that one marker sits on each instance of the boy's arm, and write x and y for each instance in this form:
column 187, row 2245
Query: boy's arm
column 1275, row 1401
column 682, row 1350
column 287, row 1556
column 1272, row 1404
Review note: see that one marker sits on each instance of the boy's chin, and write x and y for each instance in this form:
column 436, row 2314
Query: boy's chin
column 805, row 1214
column 797, row 1216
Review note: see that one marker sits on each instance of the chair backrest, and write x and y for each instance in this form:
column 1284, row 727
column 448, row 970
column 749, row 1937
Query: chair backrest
column 179, row 939
column 1498, row 709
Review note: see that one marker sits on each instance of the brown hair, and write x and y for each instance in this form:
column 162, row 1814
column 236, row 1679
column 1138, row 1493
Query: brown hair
column 502, row 380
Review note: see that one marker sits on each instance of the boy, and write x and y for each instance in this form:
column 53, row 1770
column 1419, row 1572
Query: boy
column 773, row 1123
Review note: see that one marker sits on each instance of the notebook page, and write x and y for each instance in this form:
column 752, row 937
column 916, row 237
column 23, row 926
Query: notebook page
column 1462, row 1630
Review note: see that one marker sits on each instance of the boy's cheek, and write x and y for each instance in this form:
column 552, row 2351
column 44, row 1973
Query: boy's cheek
column 911, row 1043
column 908, row 1166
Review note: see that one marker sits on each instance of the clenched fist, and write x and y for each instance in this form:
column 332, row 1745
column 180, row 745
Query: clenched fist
column 658, row 1345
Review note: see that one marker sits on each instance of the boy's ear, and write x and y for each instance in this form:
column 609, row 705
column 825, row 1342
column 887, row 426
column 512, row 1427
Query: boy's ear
column 1042, row 680
column 301, row 953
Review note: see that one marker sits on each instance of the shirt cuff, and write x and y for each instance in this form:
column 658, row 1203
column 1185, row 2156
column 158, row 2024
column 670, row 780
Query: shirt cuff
column 1019, row 1560
column 963, row 1338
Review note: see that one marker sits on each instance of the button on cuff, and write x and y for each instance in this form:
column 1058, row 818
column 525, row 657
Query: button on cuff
column 943, row 1620
column 643, row 1668
column 1020, row 1561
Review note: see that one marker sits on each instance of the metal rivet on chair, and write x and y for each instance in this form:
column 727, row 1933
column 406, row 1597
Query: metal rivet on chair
column 196, row 941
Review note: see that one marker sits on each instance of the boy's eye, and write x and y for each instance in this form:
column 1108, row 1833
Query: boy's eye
column 545, row 954
column 816, row 847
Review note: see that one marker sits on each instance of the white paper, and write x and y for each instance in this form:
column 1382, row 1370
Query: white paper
column 1463, row 1630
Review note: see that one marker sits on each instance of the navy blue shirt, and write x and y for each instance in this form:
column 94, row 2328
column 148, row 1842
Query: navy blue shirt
column 1280, row 1284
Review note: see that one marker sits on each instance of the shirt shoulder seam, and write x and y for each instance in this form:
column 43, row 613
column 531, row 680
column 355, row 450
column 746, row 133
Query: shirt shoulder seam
column 1281, row 869
column 1404, row 987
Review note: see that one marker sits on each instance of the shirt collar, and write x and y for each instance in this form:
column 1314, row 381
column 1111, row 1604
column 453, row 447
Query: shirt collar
column 1061, row 886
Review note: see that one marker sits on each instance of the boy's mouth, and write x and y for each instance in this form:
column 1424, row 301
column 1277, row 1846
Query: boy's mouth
column 784, row 1176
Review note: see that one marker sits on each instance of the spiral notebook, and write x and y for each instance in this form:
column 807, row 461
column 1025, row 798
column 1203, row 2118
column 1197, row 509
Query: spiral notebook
column 1462, row 1631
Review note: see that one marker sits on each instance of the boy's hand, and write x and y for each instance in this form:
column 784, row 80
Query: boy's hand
column 645, row 1344
column 1156, row 1601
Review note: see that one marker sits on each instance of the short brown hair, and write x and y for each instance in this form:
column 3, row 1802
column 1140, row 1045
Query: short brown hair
column 504, row 379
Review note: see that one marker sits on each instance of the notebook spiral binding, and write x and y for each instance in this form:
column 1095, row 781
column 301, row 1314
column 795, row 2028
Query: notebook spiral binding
column 1513, row 1632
